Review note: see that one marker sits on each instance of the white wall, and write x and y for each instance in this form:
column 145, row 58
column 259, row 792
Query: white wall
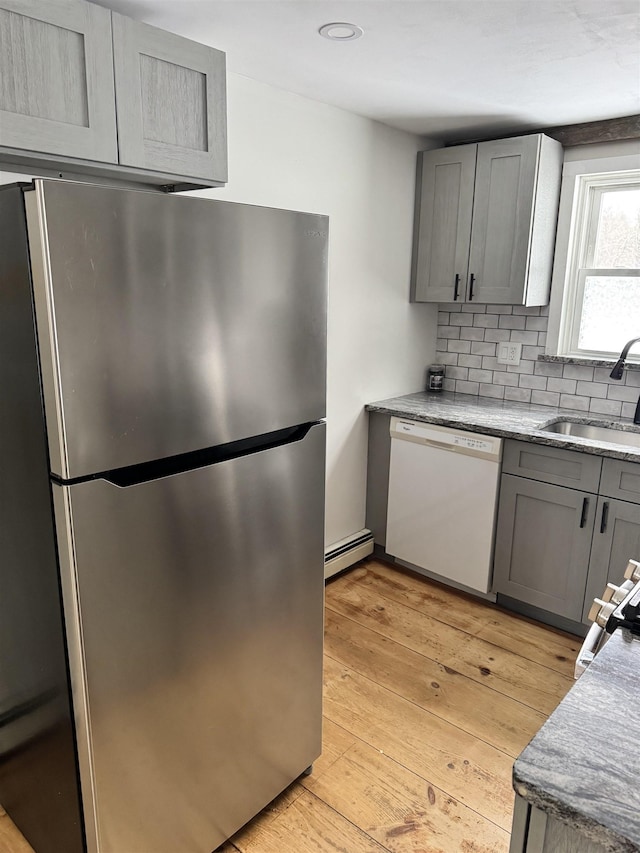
column 288, row 151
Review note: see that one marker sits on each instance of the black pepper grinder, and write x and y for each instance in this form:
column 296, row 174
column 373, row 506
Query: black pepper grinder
column 435, row 377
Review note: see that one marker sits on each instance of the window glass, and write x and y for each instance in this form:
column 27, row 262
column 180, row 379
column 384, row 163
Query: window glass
column 610, row 312
column 618, row 232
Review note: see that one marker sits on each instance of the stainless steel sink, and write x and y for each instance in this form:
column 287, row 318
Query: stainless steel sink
column 596, row 432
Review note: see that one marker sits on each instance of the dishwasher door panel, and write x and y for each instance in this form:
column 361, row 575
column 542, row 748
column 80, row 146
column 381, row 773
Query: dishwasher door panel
column 441, row 512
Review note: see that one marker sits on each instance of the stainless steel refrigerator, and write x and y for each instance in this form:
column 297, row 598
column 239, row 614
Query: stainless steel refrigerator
column 162, row 448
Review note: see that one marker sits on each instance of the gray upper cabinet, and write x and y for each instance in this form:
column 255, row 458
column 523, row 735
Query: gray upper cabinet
column 86, row 93
column 485, row 221
column 56, row 79
column 171, row 102
column 443, row 223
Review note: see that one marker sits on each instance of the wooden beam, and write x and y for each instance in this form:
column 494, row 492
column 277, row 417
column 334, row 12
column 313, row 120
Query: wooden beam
column 608, row 130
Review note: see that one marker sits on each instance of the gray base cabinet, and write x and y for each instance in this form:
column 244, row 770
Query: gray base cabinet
column 534, row 831
column 485, row 221
column 87, row 92
column 542, row 545
column 564, row 530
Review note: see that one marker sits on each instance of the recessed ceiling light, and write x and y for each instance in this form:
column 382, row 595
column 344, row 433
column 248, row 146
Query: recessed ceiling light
column 340, row 31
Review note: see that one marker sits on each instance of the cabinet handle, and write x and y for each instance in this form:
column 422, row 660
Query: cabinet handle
column 585, row 510
column 605, row 516
column 472, row 279
column 455, row 288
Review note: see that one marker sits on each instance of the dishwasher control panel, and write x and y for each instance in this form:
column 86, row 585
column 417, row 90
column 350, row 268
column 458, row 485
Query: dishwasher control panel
column 485, row 446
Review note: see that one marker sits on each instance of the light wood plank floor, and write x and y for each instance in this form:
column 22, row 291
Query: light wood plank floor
column 429, row 695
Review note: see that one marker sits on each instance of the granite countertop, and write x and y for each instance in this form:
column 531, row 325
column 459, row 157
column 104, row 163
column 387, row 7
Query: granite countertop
column 506, row 419
column 581, row 767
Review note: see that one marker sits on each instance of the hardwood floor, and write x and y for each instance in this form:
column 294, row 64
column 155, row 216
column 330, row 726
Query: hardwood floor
column 429, row 695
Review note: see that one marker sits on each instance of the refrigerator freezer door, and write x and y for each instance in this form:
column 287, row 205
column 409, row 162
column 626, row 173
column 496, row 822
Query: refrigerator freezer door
column 168, row 323
column 196, row 644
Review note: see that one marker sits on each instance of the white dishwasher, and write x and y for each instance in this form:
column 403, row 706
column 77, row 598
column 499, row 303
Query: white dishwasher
column 443, row 490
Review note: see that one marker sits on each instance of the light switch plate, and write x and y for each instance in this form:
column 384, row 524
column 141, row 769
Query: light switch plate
column 509, row 353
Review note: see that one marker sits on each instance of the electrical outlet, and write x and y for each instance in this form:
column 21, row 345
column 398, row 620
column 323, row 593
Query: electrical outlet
column 509, row 353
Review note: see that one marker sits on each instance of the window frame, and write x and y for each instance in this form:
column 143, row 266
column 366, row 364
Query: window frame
column 583, row 185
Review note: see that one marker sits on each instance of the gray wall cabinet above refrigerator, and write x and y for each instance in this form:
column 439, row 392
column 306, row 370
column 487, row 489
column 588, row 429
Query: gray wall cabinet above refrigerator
column 84, row 91
column 485, row 221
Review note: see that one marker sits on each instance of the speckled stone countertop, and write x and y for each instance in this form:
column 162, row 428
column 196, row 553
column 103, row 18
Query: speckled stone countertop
column 581, row 767
column 521, row 421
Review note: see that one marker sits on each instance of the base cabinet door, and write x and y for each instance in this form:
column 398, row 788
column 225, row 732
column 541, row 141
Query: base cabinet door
column 616, row 540
column 534, row 831
column 543, row 542
column 171, row 102
column 56, row 79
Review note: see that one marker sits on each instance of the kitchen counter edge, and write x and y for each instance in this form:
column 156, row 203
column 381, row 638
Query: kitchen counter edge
column 519, row 421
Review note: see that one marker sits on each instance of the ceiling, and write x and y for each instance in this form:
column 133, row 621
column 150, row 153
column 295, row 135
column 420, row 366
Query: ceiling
column 447, row 69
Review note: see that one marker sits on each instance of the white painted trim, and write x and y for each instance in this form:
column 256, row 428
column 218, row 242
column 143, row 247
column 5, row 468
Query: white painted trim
column 627, row 160
column 359, row 551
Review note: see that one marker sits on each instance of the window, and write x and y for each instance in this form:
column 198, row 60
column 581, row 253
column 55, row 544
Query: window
column 600, row 281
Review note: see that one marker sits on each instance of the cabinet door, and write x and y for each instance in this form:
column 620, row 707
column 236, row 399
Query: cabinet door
column 171, row 102
column 616, row 540
column 444, row 228
column 502, row 219
column 543, row 542
column 56, row 79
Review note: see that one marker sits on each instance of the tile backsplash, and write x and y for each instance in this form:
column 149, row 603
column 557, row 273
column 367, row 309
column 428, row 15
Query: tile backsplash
column 468, row 336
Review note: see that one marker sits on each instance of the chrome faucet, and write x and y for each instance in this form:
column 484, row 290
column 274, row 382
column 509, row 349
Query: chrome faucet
column 616, row 373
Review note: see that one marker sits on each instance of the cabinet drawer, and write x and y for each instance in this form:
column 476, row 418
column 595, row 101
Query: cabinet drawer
column 621, row 480
column 553, row 465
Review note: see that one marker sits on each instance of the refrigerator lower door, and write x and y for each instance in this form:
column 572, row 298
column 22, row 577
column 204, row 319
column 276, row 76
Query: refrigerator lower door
column 194, row 609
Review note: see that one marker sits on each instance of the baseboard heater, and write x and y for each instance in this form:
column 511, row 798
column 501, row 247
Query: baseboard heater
column 347, row 551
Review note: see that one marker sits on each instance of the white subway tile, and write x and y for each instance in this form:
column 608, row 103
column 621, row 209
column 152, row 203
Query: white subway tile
column 529, row 310
column 459, row 346
column 564, row 386
column 505, row 379
column 497, row 335
column 623, row 393
column 448, row 384
column 448, row 332
column 605, row 407
column 447, row 358
column 511, row 322
column 496, row 391
column 524, row 367
column 499, row 309
column 483, row 348
column 476, row 375
column 471, row 333
column 592, row 389
column 531, row 352
column 538, row 383
column 443, row 318
column 578, row 371
column 520, row 337
column 542, row 339
column 487, row 321
column 462, row 319
column 548, row 368
column 463, row 387
column 519, row 395
column 545, row 398
column 537, row 324
column 473, row 308
column 570, row 401
column 628, row 410
column 457, row 372
column 469, row 360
